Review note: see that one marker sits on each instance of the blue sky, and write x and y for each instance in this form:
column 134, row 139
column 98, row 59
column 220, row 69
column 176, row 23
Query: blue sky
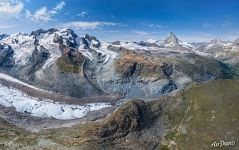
column 135, row 20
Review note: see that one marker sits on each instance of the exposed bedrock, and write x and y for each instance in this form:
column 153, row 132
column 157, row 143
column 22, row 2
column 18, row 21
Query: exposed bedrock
column 6, row 56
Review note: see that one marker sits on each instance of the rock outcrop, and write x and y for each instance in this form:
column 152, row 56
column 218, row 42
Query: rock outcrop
column 6, row 55
column 2, row 36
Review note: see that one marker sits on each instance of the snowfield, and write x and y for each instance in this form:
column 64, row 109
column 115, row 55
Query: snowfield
column 10, row 97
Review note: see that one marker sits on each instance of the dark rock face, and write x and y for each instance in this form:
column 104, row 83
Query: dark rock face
column 116, row 43
column 6, row 56
column 142, row 43
column 15, row 41
column 171, row 86
column 2, row 36
column 70, row 41
column 167, row 69
column 45, row 53
column 95, row 44
column 132, row 69
column 58, row 39
column 86, row 44
column 38, row 59
column 147, row 44
column 36, row 42
column 38, row 32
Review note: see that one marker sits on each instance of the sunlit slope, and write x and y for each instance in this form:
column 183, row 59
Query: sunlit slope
column 212, row 115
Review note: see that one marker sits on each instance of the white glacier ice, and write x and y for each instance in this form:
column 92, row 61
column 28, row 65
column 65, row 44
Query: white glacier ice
column 10, row 97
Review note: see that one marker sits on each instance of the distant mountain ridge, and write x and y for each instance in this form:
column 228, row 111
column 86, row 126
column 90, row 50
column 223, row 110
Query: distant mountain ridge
column 61, row 61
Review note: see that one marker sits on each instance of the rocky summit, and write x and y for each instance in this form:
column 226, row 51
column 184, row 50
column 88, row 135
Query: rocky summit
column 59, row 90
column 172, row 39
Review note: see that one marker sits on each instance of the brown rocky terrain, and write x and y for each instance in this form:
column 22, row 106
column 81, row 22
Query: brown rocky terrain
column 132, row 63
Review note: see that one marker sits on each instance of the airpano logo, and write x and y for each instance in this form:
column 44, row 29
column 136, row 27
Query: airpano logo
column 222, row 143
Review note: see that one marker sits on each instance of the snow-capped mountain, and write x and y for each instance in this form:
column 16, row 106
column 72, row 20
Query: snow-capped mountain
column 172, row 39
column 173, row 42
column 225, row 51
column 36, row 55
column 213, row 46
column 51, row 42
column 170, row 43
column 61, row 61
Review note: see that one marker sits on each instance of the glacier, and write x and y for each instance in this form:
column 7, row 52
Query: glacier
column 10, row 97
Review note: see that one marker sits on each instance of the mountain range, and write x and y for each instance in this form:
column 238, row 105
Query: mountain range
column 55, row 78
column 60, row 61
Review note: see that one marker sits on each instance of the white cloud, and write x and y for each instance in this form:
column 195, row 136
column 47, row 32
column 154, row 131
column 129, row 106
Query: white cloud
column 155, row 26
column 41, row 14
column 60, row 6
column 82, row 14
column 7, row 26
column 140, row 32
column 44, row 14
column 10, row 8
column 83, row 25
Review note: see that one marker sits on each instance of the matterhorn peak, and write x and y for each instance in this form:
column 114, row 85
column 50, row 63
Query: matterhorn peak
column 171, row 34
column 172, row 39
